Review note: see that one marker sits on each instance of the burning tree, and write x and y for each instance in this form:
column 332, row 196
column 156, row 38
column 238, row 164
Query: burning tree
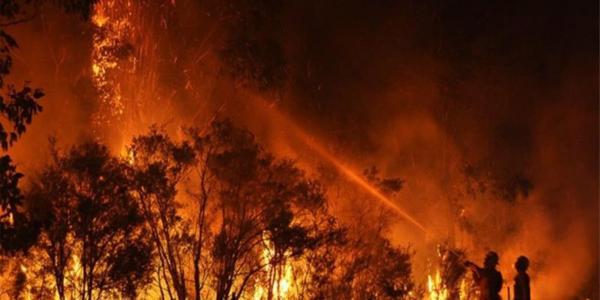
column 160, row 165
column 449, row 281
column 357, row 261
column 250, row 225
column 92, row 229
column 246, row 215
column 350, row 266
column 259, row 201
column 18, row 107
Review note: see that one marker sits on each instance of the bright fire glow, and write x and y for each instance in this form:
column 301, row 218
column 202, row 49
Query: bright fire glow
column 437, row 290
column 435, row 287
column 282, row 287
column 108, row 41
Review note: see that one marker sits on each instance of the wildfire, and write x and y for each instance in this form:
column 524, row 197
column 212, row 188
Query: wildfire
column 437, row 290
column 125, row 64
column 99, row 19
column 282, row 286
column 76, row 270
column 109, row 49
column 435, row 287
column 127, row 155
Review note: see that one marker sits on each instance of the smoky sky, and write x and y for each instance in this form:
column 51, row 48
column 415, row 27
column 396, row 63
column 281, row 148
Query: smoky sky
column 492, row 66
column 513, row 85
column 517, row 53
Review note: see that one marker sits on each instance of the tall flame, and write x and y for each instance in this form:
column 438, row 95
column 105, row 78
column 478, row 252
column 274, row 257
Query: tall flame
column 108, row 41
column 435, row 287
column 282, row 287
column 437, row 290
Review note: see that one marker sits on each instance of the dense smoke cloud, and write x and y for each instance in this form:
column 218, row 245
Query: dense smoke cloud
column 487, row 110
column 443, row 94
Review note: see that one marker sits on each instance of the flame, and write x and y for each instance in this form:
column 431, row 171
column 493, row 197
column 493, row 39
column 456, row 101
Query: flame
column 125, row 68
column 437, row 290
column 282, row 288
column 74, row 272
column 109, row 36
column 127, row 155
column 99, row 19
column 435, row 287
column 76, row 269
column 27, row 294
column 464, row 289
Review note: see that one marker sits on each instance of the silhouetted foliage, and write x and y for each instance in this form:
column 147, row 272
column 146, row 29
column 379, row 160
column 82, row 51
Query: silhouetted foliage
column 93, row 221
column 497, row 192
column 258, row 199
column 365, row 267
column 51, row 207
column 18, row 11
column 112, row 226
column 377, row 270
column 159, row 165
column 320, row 281
column 18, row 107
column 507, row 187
column 386, row 185
column 452, row 268
column 131, row 266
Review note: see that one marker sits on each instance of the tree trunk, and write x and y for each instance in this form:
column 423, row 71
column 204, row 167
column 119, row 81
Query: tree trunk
column 197, row 278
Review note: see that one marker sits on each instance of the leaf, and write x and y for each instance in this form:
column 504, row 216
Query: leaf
column 8, row 39
column 38, row 93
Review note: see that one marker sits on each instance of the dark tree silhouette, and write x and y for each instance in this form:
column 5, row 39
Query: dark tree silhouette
column 348, row 266
column 159, row 165
column 18, row 107
column 452, row 269
column 109, row 226
column 388, row 186
column 49, row 201
column 319, row 280
column 258, row 200
column 371, row 268
column 93, row 220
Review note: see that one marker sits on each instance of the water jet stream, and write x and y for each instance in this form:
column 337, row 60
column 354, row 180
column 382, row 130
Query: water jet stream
column 351, row 174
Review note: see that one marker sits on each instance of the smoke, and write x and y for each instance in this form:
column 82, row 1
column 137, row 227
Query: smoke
column 455, row 97
column 488, row 111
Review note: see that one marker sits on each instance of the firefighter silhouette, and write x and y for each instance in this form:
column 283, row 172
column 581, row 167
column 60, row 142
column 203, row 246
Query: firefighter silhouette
column 488, row 279
column 521, row 287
